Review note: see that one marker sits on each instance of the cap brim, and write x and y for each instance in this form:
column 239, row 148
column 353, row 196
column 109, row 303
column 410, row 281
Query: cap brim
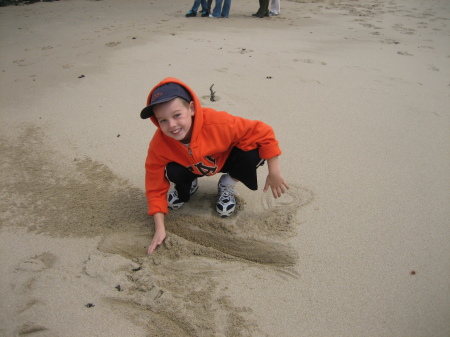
column 147, row 112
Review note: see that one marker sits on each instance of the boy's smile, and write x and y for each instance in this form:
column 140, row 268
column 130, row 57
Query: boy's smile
column 175, row 118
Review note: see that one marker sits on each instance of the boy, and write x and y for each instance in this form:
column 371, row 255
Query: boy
column 192, row 141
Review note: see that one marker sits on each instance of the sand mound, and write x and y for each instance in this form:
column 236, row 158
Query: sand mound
column 83, row 198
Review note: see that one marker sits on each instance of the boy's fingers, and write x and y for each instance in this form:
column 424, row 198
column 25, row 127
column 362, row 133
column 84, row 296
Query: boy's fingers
column 152, row 247
column 275, row 193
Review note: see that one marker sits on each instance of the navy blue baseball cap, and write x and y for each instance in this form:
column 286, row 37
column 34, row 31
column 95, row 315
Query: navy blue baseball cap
column 165, row 93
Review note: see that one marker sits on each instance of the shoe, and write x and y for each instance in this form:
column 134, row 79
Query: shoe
column 191, row 14
column 172, row 197
column 262, row 15
column 205, row 14
column 255, row 14
column 227, row 202
column 212, row 16
column 273, row 13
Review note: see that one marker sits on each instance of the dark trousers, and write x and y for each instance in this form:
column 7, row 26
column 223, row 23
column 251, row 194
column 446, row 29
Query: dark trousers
column 240, row 165
column 263, row 7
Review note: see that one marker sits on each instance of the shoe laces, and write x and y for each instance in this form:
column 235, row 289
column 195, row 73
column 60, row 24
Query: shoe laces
column 226, row 191
column 174, row 195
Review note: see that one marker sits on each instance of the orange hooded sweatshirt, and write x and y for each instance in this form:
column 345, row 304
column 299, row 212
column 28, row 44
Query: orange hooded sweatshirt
column 214, row 135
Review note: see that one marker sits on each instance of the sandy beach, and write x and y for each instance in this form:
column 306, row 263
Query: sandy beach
column 358, row 93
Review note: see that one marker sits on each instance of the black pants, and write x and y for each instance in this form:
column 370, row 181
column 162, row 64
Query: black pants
column 240, row 165
column 263, row 7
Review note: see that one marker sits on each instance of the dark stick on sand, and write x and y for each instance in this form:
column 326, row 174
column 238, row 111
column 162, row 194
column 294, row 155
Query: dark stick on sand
column 212, row 93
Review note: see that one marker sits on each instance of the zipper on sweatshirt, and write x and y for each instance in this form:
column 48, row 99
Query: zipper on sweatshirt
column 188, row 147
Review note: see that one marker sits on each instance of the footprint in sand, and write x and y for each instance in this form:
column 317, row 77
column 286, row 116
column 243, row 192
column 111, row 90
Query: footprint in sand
column 310, row 61
column 390, row 41
column 27, row 271
column 20, row 63
column 30, row 329
column 433, row 68
column 403, row 30
column 404, row 53
column 112, row 44
column 245, row 50
column 38, row 263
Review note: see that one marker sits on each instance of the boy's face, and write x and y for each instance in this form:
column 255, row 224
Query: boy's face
column 175, row 118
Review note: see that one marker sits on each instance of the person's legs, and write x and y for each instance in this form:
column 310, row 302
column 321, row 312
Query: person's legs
column 182, row 178
column 259, row 9
column 217, row 9
column 205, row 10
column 275, row 6
column 226, row 8
column 240, row 166
column 263, row 9
column 196, row 5
column 204, row 5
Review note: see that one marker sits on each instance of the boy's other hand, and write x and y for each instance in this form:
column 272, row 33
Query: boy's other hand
column 277, row 184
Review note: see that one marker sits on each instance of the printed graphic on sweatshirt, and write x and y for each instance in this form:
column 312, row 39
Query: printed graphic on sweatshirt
column 206, row 169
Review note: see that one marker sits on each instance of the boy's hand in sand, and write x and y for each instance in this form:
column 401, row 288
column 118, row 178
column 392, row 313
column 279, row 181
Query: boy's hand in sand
column 277, row 184
column 275, row 180
column 160, row 232
column 157, row 240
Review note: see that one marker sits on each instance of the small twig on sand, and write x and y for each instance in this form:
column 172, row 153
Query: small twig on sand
column 212, row 98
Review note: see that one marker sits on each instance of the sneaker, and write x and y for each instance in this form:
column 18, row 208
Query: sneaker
column 273, row 13
column 205, row 14
column 172, row 197
column 191, row 14
column 212, row 16
column 227, row 202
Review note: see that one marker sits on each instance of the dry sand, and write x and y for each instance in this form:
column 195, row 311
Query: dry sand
column 358, row 93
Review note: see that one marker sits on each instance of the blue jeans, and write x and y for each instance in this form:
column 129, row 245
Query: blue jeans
column 222, row 11
column 197, row 4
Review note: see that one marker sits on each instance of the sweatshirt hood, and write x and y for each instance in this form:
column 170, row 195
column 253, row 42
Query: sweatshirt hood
column 198, row 116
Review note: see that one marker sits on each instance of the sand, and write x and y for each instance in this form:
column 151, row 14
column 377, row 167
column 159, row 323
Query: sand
column 358, row 93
